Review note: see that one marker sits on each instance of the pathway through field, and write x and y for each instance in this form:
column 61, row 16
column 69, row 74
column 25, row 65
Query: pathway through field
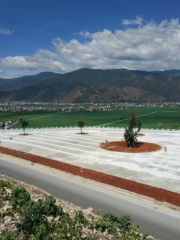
column 43, row 116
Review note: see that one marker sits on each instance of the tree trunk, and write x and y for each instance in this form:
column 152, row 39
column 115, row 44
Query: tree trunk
column 132, row 145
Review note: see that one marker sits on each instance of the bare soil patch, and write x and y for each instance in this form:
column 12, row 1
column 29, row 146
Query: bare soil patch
column 26, row 134
column 158, row 194
column 140, row 135
column 120, row 146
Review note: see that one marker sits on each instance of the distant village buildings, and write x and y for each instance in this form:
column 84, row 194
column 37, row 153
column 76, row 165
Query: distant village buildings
column 76, row 107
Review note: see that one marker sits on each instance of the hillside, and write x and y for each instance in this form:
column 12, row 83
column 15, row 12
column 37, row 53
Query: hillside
column 89, row 85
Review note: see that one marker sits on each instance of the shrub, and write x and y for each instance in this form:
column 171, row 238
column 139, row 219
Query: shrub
column 5, row 184
column 8, row 236
column 42, row 232
column 69, row 230
column 122, row 223
column 24, row 125
column 50, row 209
column 34, row 219
column 81, row 124
column 139, row 126
column 19, row 198
column 130, row 137
column 31, row 219
column 80, row 219
column 133, row 234
column 103, row 225
column 34, row 223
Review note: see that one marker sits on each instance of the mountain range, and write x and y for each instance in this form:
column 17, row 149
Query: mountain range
column 94, row 85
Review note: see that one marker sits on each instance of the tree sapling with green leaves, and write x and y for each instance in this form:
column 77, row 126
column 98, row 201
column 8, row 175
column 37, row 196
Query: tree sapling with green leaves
column 24, row 125
column 81, row 125
column 130, row 135
column 139, row 126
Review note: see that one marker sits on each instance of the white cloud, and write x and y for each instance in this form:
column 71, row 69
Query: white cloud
column 5, row 31
column 149, row 46
column 43, row 60
column 85, row 34
column 137, row 21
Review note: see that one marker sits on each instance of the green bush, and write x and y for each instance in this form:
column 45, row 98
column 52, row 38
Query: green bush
column 34, row 222
column 50, row 209
column 32, row 217
column 133, row 234
column 102, row 225
column 80, row 219
column 81, row 125
column 111, row 223
column 19, row 198
column 122, row 223
column 69, row 230
column 8, row 236
column 5, row 184
column 42, row 232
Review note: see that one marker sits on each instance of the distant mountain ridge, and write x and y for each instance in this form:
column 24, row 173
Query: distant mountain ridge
column 94, row 85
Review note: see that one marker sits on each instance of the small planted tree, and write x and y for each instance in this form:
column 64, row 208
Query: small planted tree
column 133, row 122
column 24, row 125
column 130, row 135
column 81, row 124
column 139, row 126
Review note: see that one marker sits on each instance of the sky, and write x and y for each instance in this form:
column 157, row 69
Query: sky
column 65, row 35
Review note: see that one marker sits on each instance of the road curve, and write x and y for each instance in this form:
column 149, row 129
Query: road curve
column 159, row 222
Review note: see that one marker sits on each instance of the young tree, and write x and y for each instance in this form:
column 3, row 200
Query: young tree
column 81, row 124
column 24, row 125
column 133, row 122
column 130, row 135
column 139, row 126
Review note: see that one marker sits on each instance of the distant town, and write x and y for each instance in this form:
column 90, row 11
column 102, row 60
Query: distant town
column 76, row 107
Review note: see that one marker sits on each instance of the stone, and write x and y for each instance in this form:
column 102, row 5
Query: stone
column 7, row 207
column 88, row 210
column 50, row 219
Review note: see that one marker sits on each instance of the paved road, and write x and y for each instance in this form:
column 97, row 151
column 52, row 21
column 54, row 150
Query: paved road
column 160, row 222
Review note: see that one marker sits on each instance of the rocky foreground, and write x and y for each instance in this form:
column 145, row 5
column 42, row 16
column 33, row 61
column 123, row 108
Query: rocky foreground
column 27, row 212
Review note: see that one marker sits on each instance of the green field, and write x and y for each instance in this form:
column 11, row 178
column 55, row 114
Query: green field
column 157, row 118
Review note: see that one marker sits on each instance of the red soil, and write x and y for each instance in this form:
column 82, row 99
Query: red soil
column 120, row 146
column 157, row 193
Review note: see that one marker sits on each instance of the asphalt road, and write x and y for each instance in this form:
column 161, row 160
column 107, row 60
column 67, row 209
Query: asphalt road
column 160, row 222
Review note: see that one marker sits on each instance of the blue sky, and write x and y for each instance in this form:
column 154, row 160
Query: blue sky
column 67, row 35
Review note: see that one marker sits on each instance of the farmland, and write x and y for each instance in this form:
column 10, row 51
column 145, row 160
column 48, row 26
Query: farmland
column 151, row 117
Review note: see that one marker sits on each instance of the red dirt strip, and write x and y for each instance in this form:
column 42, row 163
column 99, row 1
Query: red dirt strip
column 158, row 194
